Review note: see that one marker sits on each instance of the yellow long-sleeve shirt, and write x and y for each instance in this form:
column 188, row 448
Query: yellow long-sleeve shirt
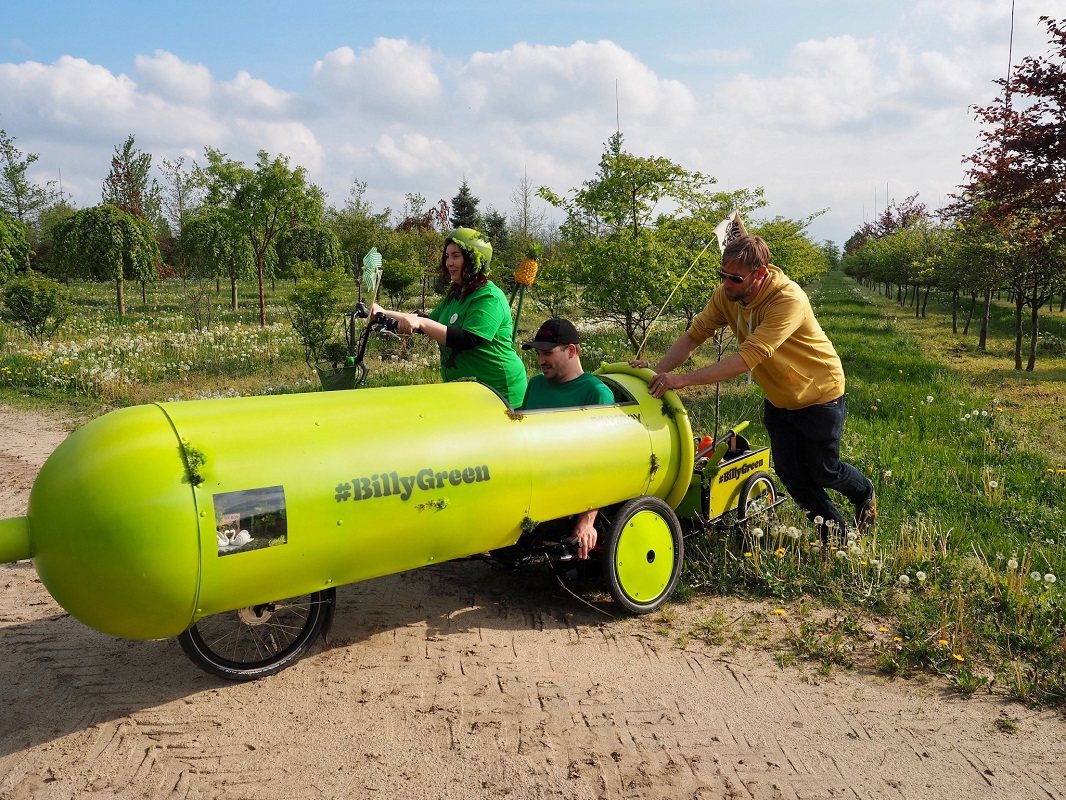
column 781, row 342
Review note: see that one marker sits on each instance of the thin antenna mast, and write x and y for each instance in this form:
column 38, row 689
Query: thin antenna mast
column 617, row 117
column 1010, row 52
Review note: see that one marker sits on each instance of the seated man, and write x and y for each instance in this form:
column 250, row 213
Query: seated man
column 563, row 383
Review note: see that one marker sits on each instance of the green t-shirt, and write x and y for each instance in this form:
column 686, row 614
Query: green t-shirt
column 584, row 390
column 486, row 314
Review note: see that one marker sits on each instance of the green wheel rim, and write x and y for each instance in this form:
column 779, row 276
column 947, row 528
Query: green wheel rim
column 644, row 558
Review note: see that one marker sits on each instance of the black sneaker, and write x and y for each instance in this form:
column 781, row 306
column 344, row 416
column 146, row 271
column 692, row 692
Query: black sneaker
column 866, row 513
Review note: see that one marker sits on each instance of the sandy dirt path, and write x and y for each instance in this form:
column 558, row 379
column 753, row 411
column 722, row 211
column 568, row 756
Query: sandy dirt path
column 461, row 681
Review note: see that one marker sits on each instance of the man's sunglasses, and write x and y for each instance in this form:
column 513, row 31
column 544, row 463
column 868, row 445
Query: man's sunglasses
column 729, row 276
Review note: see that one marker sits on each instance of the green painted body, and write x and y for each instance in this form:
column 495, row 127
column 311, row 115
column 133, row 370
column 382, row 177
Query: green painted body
column 332, row 488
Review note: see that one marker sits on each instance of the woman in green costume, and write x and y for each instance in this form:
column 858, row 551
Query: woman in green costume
column 472, row 322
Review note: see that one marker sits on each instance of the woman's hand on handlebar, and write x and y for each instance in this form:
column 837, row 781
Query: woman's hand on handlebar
column 408, row 323
column 403, row 323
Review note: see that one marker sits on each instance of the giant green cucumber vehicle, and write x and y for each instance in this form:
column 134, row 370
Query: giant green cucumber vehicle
column 193, row 519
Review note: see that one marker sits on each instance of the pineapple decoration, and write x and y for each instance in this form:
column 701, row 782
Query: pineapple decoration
column 528, row 266
column 524, row 276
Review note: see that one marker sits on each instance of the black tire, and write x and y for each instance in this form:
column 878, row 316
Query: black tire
column 257, row 641
column 755, row 504
column 643, row 553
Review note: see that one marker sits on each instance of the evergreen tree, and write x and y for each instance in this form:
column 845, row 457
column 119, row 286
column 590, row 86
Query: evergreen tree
column 464, row 209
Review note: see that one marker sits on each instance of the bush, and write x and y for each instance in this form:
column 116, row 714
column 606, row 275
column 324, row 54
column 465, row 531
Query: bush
column 314, row 308
column 35, row 304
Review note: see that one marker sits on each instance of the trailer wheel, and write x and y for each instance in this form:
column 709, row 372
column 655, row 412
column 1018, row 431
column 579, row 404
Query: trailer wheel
column 642, row 555
column 758, row 496
column 261, row 640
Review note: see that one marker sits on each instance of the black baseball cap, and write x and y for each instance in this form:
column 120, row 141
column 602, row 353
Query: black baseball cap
column 553, row 333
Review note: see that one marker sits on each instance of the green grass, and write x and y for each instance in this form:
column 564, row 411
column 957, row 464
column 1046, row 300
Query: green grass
column 966, row 453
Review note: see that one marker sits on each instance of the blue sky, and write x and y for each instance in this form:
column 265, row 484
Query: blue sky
column 825, row 104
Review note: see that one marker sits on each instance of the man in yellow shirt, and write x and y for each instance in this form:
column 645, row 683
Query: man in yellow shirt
column 795, row 364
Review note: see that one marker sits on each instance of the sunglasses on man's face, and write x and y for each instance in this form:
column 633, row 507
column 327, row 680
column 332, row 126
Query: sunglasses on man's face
column 729, row 276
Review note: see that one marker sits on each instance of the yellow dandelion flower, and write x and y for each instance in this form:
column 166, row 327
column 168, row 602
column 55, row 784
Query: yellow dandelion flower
column 957, row 657
column 747, row 555
column 780, row 612
column 780, row 552
column 897, row 639
column 883, row 629
column 873, row 408
column 943, row 642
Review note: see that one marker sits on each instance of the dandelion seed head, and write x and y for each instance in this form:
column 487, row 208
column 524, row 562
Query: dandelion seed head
column 1036, row 576
column 921, row 576
column 1050, row 578
column 904, row 579
column 1012, row 563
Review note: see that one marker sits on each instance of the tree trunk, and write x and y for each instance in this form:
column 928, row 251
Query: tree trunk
column 955, row 312
column 985, row 315
column 969, row 316
column 144, row 292
column 1034, row 329
column 262, row 291
column 120, row 297
column 925, row 300
column 1019, row 305
column 233, row 293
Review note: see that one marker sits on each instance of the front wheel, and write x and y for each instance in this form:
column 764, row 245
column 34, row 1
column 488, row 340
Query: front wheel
column 643, row 554
column 257, row 641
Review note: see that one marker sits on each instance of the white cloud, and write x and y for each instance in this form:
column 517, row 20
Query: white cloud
column 394, row 80
column 247, row 95
column 416, row 154
column 173, row 79
column 292, row 139
column 529, row 83
column 71, row 93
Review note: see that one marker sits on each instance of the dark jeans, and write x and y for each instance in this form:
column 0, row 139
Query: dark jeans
column 805, row 445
